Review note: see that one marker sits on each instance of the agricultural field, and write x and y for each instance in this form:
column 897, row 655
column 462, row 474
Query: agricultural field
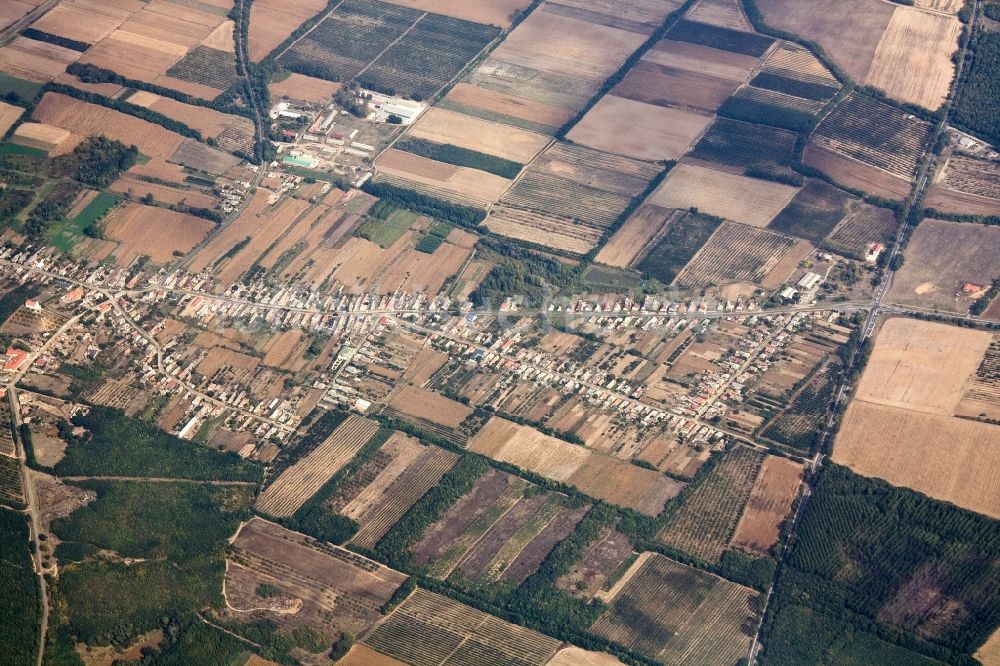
column 940, row 259
column 501, row 530
column 600, row 562
column 636, row 238
column 15, row 10
column 800, row 423
column 231, row 133
column 185, row 48
column 681, row 239
column 305, row 88
column 737, row 253
column 461, row 185
column 385, row 487
column 272, row 21
column 285, row 494
column 966, row 186
column 318, row 584
column 637, row 129
column 874, row 134
column 676, row 614
column 815, row 212
column 11, row 492
column 703, row 524
column 445, row 127
column 547, row 68
column 430, row 630
column 35, row 61
column 746, row 148
column 393, row 49
column 895, row 559
column 732, row 196
column 918, row 375
column 568, row 196
column 497, row 13
column 771, row 498
column 597, row 475
column 157, row 233
column 9, row 115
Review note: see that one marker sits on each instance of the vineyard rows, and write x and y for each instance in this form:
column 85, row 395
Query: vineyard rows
column 303, row 479
column 865, row 226
column 799, row 426
column 679, row 615
column 745, row 145
column 10, row 481
column 974, row 176
column 427, row 629
column 704, row 523
column 875, row 134
column 545, row 192
column 779, row 99
column 736, row 253
column 545, row 230
column 207, row 66
column 813, row 213
column 402, row 494
column 725, row 39
column 796, row 62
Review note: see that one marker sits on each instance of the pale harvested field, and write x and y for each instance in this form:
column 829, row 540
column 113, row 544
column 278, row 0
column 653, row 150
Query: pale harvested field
column 574, row 656
column 913, row 59
column 299, row 482
column 8, row 116
column 950, row 6
column 732, row 196
column 224, row 356
column 271, row 21
column 430, row 406
column 492, row 102
column 558, row 44
column 527, row 448
column 306, row 88
column 12, row 10
column 86, row 119
column 547, row 230
column 462, row 180
column 625, row 484
column 940, row 258
column 40, row 135
column 34, row 60
column 989, row 652
column 848, row 30
column 770, row 502
column 638, row 130
column 418, row 271
column 134, row 56
column 362, row 655
column 853, row 174
column 153, row 232
column 359, row 262
column 209, row 122
column 488, row 12
column 638, row 233
column 782, row 270
column 162, row 193
column 221, row 38
column 641, row 16
column 723, row 13
column 80, row 22
column 939, row 197
column 443, row 126
column 948, row 458
column 284, row 350
column 921, row 366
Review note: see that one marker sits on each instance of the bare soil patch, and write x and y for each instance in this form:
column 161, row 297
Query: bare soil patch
column 153, row 232
column 635, row 236
column 489, row 12
column 770, row 502
column 305, row 88
column 639, row 130
column 443, row 126
column 430, row 406
column 855, row 175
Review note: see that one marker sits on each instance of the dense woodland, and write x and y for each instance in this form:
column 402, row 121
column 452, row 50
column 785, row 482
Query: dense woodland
column 978, row 107
column 20, row 605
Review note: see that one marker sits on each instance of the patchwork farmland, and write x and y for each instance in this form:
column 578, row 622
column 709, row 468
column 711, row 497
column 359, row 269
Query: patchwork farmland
column 676, row 614
column 298, row 483
column 703, row 524
column 908, row 397
column 430, row 630
column 501, row 530
column 568, row 196
column 387, row 47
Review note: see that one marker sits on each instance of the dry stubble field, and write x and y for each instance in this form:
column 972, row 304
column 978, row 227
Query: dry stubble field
column 900, row 426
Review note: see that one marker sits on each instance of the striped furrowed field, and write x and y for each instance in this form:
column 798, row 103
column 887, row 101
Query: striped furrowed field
column 298, row 483
column 676, row 614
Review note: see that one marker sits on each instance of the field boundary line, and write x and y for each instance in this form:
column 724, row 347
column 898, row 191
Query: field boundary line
column 483, row 536
column 326, row 15
column 394, row 42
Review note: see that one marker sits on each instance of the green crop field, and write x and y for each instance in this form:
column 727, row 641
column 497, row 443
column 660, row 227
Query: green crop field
column 65, row 234
column 388, row 231
column 24, row 89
